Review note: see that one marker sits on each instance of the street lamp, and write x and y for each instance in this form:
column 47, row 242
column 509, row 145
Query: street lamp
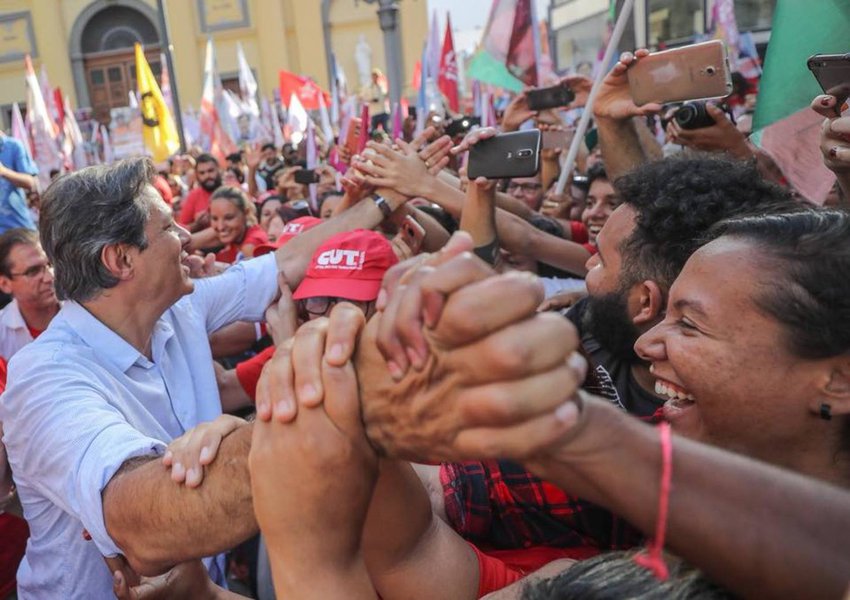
column 169, row 61
column 388, row 18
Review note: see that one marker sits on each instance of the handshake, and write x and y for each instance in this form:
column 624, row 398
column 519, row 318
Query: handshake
column 447, row 370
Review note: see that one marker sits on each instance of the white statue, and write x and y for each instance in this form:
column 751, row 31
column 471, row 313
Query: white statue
column 363, row 58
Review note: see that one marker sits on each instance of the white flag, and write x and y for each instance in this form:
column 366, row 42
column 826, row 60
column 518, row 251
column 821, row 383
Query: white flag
column 325, row 118
column 296, row 118
column 19, row 129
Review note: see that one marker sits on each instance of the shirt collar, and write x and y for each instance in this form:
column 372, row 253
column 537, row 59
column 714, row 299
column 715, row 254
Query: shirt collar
column 12, row 317
column 107, row 344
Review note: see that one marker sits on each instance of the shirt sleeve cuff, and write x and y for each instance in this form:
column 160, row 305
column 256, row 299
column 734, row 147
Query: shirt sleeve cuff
column 111, row 451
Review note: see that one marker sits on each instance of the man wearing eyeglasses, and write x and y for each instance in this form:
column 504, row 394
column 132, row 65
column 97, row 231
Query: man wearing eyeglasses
column 528, row 190
column 26, row 275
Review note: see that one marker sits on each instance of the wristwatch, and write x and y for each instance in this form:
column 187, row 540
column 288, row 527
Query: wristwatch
column 382, row 203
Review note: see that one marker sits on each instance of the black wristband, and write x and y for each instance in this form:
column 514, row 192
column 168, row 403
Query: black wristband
column 382, row 203
column 488, row 252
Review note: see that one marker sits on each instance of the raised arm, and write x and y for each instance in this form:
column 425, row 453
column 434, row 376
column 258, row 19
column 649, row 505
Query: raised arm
column 294, row 257
column 614, row 110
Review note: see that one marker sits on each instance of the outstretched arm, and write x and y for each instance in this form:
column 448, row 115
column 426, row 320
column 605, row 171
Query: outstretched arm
column 742, row 522
column 157, row 524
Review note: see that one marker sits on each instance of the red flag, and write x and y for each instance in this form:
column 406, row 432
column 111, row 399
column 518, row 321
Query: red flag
column 417, row 75
column 364, row 128
column 60, row 106
column 447, row 81
column 521, row 60
column 306, row 89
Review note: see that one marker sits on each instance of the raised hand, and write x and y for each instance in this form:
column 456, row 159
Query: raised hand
column 403, row 170
column 517, row 113
column 253, row 155
column 496, row 379
column 835, row 135
column 614, row 100
column 312, row 511
column 281, row 316
column 723, row 136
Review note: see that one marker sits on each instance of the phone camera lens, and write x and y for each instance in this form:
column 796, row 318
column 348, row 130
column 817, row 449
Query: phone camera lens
column 710, row 71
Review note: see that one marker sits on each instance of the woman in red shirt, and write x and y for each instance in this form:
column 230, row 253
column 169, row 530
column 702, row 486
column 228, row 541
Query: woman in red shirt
column 233, row 218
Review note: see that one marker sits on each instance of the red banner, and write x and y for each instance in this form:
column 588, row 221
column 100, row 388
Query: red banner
column 447, row 81
column 306, row 89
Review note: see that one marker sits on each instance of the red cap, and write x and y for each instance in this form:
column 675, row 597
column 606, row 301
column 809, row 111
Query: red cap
column 290, row 230
column 348, row 265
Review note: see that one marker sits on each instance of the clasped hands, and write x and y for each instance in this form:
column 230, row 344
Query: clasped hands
column 457, row 364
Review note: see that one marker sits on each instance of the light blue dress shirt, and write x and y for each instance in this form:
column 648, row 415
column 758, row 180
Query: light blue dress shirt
column 81, row 401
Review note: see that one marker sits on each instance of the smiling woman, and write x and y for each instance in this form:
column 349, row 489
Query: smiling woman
column 754, row 350
column 234, row 221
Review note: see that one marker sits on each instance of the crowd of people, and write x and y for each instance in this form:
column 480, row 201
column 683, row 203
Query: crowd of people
column 391, row 380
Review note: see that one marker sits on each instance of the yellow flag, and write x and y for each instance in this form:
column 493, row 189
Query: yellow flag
column 158, row 127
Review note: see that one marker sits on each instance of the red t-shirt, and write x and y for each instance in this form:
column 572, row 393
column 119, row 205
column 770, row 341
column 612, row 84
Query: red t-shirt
column 196, row 202
column 578, row 232
column 13, row 532
column 493, row 574
column 254, row 236
column 34, row 333
column 248, row 371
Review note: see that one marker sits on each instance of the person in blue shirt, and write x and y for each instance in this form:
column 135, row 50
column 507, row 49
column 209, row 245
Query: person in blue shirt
column 17, row 177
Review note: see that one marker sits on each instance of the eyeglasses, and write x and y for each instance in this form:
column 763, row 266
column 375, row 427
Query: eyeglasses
column 34, row 271
column 526, row 188
column 319, row 306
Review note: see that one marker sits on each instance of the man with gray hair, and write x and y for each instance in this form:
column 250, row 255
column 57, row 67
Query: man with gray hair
column 126, row 367
column 123, row 368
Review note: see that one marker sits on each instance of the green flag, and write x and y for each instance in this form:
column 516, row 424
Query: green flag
column 801, row 28
column 484, row 67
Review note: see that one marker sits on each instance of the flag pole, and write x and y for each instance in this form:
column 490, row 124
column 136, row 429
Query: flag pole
column 625, row 14
column 175, row 95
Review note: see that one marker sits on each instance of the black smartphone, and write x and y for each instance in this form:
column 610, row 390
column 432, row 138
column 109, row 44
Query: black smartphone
column 506, row 155
column 306, row 176
column 462, row 125
column 550, row 97
column 833, row 74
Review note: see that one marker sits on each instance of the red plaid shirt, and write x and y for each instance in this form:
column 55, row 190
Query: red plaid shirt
column 498, row 505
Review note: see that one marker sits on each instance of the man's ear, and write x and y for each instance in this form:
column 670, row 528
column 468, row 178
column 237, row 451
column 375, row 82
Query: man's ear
column 119, row 260
column 650, row 303
column 5, row 284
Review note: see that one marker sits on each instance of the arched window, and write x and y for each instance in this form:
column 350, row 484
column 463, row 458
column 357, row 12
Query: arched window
column 117, row 27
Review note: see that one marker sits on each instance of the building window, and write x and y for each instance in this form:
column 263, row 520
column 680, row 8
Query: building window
column 216, row 15
column 674, row 21
column 16, row 37
column 577, row 44
column 754, row 14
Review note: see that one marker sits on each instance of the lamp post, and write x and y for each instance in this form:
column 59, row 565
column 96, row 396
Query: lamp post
column 388, row 18
column 175, row 96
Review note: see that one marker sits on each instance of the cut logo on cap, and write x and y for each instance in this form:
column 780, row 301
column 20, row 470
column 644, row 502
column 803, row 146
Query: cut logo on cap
column 349, row 260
